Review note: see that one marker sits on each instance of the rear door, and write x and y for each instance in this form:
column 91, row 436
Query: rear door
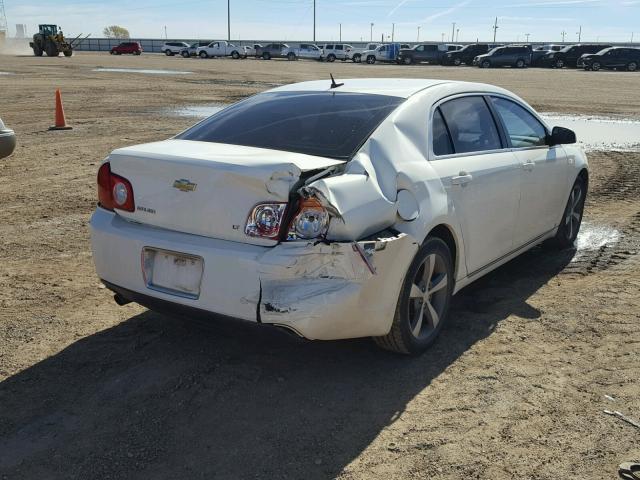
column 481, row 176
column 544, row 170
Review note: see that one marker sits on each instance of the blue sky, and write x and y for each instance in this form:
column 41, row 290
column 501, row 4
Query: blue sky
column 544, row 20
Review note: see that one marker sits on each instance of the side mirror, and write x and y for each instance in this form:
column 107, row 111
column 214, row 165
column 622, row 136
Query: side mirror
column 561, row 136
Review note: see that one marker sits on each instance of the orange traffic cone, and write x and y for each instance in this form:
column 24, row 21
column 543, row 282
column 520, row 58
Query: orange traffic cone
column 61, row 122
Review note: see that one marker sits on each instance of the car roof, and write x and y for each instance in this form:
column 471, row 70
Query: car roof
column 397, row 87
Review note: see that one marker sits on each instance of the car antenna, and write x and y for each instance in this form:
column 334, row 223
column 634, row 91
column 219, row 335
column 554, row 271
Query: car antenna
column 333, row 82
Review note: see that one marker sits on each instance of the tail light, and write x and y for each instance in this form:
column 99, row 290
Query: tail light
column 114, row 191
column 265, row 220
column 311, row 221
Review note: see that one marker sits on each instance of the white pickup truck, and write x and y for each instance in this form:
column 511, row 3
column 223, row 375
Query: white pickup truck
column 356, row 53
column 222, row 49
column 305, row 50
column 383, row 53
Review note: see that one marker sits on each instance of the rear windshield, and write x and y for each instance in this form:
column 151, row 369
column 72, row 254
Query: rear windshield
column 326, row 124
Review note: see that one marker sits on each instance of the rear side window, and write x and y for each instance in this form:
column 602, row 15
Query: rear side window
column 441, row 139
column 329, row 47
column 522, row 128
column 471, row 125
column 326, row 124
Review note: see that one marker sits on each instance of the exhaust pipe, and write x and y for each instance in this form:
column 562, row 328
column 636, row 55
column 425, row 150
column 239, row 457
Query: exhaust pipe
column 120, row 300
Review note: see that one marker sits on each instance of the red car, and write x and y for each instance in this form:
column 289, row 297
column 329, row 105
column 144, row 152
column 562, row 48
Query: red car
column 127, row 47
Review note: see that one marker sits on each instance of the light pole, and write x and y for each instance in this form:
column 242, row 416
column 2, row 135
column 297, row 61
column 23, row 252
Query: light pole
column 527, row 35
column 443, row 34
column 453, row 31
column 371, row 39
column 314, row 21
column 457, row 34
column 579, row 32
column 340, row 34
column 563, row 35
column 419, row 35
column 495, row 30
column 393, row 31
column 229, row 20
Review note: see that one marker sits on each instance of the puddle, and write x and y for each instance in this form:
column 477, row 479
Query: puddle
column 593, row 237
column 141, row 70
column 600, row 133
column 196, row 111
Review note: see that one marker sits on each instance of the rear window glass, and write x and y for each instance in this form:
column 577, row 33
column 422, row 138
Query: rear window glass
column 326, row 124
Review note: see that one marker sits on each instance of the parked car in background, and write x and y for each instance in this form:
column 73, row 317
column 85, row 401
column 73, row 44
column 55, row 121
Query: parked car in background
column 192, row 51
column 539, row 53
column 7, row 140
column 305, row 50
column 452, row 47
column 356, row 53
column 422, row 53
column 467, row 177
column 568, row 56
column 384, row 53
column 272, row 50
column 619, row 58
column 251, row 49
column 133, row 48
column 337, row 51
column 173, row 48
column 222, row 48
column 518, row 56
column 465, row 55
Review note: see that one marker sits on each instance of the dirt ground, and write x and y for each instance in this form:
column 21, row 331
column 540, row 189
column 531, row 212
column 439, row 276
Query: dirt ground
column 514, row 388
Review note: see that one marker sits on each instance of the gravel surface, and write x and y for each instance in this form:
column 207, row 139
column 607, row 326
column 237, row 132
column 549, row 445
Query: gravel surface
column 514, row 388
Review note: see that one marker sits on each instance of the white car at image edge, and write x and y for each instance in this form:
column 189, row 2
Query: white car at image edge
column 337, row 210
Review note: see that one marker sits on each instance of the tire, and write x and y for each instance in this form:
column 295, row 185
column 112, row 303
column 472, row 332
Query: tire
column 457, row 62
column 422, row 308
column 37, row 51
column 596, row 66
column 168, row 53
column 485, row 64
column 520, row 63
column 235, row 55
column 407, row 60
column 266, row 56
column 571, row 217
column 371, row 59
column 331, row 58
column 185, row 54
column 633, row 66
column 68, row 53
column 112, row 52
column 52, row 51
column 137, row 53
column 357, row 58
column 203, row 54
column 559, row 64
column 291, row 56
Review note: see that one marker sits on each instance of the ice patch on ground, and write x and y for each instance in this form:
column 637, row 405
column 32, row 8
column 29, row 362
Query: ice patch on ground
column 141, row 70
column 593, row 237
column 197, row 111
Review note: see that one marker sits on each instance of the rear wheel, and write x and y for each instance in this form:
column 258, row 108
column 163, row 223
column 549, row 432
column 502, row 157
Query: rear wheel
column 235, row 55
column 595, row 66
column 185, row 54
column 572, row 216
column 371, row 59
column 52, row 50
column 357, row 58
column 424, row 300
column 331, row 57
column 266, row 56
column 457, row 62
column 291, row 56
column 520, row 63
column 37, row 51
column 168, row 52
column 633, row 66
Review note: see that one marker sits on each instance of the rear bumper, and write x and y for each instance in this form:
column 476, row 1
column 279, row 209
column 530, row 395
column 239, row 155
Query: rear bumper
column 321, row 291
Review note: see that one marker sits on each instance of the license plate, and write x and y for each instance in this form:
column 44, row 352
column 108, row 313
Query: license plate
column 172, row 272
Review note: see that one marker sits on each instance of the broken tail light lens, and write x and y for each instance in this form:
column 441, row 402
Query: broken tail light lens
column 265, row 220
column 311, row 221
column 114, row 191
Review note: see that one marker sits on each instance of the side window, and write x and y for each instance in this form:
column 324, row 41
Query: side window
column 338, row 47
column 420, row 48
column 383, row 48
column 329, row 47
column 431, row 48
column 441, row 140
column 522, row 128
column 471, row 125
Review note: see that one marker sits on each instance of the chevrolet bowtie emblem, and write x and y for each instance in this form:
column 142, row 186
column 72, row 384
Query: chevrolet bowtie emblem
column 184, row 185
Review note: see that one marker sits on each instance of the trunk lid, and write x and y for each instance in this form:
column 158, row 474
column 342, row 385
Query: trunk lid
column 206, row 188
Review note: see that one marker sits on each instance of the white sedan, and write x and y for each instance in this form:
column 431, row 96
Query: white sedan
column 337, row 210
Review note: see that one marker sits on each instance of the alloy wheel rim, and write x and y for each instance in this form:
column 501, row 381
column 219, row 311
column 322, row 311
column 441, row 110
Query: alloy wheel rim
column 428, row 296
column 573, row 215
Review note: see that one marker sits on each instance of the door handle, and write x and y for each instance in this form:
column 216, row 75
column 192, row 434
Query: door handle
column 528, row 166
column 462, row 179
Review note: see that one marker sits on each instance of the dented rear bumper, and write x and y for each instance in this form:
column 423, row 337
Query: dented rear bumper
column 322, row 291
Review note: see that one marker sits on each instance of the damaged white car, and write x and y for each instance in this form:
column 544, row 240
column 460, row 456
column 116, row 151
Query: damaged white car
column 337, row 210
